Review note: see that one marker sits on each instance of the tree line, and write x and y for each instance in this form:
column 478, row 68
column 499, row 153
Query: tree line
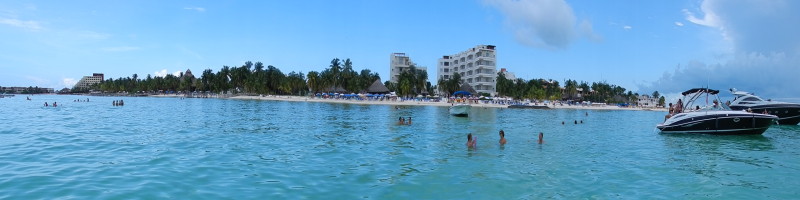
column 551, row 90
column 339, row 76
column 250, row 78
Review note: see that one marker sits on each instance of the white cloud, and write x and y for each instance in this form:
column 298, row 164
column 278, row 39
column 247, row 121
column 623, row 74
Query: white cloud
column 164, row 73
column 765, row 57
column 547, row 24
column 678, row 24
column 198, row 9
column 29, row 25
column 627, row 28
column 120, row 48
column 69, row 82
column 161, row 73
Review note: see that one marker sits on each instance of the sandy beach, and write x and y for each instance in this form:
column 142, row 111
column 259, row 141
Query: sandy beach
column 425, row 103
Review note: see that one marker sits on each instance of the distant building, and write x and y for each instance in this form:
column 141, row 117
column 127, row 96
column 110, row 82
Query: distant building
column 507, row 74
column 477, row 67
column 21, row 90
column 399, row 63
column 88, row 81
column 646, row 101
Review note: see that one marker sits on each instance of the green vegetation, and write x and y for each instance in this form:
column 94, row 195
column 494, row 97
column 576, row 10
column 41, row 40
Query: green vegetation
column 550, row 90
column 250, row 78
column 411, row 82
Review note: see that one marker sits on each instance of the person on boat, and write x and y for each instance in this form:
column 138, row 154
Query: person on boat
column 541, row 137
column 678, row 107
column 671, row 110
column 502, row 138
column 716, row 105
column 471, row 142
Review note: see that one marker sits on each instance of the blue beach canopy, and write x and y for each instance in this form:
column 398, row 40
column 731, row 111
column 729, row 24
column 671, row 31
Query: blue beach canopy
column 465, row 93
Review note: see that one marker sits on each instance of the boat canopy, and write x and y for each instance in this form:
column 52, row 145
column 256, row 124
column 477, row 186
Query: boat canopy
column 696, row 90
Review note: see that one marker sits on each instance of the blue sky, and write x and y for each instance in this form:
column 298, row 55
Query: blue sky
column 643, row 46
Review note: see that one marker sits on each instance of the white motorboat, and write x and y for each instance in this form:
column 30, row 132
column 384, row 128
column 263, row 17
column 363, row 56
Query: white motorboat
column 460, row 109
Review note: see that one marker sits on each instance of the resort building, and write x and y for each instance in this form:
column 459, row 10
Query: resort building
column 477, row 67
column 508, row 75
column 400, row 62
column 646, row 101
column 88, row 81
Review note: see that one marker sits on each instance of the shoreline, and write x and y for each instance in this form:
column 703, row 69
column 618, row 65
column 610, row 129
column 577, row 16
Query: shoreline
column 426, row 103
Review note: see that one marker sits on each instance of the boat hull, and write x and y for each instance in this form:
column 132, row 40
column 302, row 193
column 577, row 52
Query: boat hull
column 788, row 114
column 460, row 110
column 718, row 123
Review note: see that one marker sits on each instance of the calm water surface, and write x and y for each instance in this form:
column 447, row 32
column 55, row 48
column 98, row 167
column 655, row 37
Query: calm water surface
column 243, row 149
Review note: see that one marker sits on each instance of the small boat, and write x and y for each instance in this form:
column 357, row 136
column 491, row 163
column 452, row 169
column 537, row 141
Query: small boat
column 528, row 106
column 460, row 109
column 714, row 119
column 788, row 113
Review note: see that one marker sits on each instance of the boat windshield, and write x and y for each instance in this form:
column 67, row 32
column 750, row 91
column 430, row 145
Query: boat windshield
column 702, row 99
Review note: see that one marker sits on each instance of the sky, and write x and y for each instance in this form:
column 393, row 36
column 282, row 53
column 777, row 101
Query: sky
column 643, row 46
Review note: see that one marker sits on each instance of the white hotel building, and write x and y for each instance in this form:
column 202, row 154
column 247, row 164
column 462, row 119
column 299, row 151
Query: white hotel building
column 88, row 81
column 477, row 67
column 400, row 62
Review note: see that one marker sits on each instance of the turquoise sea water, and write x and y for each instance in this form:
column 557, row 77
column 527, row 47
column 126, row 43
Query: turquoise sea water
column 155, row 148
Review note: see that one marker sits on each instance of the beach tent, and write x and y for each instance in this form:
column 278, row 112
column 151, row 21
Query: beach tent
column 462, row 93
column 377, row 88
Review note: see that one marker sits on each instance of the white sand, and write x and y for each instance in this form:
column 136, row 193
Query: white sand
column 423, row 103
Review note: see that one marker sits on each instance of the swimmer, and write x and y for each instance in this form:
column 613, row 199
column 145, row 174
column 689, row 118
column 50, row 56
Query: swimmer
column 471, row 142
column 401, row 121
column 576, row 121
column 581, row 121
column 562, row 122
column 502, row 138
column 409, row 120
column 541, row 136
column 45, row 104
column 55, row 104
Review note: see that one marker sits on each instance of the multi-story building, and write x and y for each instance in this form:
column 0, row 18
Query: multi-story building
column 88, row 81
column 508, row 75
column 477, row 67
column 400, row 62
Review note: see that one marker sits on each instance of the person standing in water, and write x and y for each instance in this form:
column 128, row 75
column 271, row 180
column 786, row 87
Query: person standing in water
column 541, row 137
column 471, row 142
column 502, row 138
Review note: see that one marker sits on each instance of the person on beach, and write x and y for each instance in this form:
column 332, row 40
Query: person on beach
column 502, row 138
column 471, row 142
column 541, row 136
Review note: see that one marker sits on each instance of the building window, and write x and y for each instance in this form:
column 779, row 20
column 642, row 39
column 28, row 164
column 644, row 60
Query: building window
column 446, row 70
column 446, row 63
